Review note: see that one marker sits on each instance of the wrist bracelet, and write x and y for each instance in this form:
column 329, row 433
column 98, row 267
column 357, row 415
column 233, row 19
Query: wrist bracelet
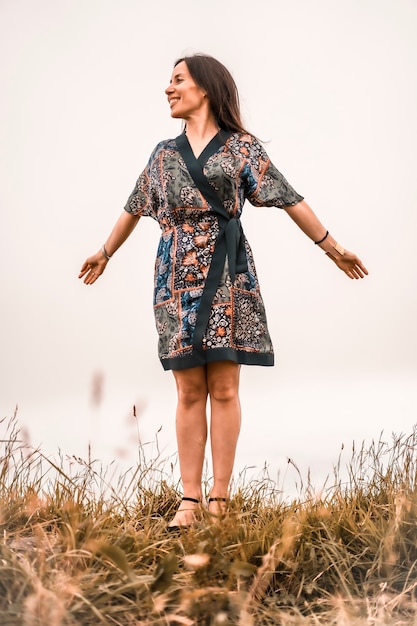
column 321, row 240
column 104, row 253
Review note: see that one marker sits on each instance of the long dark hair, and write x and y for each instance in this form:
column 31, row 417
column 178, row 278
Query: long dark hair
column 216, row 80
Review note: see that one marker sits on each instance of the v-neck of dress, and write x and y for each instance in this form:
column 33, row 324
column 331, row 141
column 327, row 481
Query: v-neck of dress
column 211, row 148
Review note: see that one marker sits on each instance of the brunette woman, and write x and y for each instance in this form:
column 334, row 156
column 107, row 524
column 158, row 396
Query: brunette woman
column 208, row 307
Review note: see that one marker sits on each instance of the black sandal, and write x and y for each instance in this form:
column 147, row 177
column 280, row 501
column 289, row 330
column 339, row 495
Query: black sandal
column 219, row 513
column 176, row 528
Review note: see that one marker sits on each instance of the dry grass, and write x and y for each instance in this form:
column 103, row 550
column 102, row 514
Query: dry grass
column 80, row 549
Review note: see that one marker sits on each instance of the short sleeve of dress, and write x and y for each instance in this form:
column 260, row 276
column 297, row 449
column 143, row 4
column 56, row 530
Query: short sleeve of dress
column 143, row 199
column 264, row 184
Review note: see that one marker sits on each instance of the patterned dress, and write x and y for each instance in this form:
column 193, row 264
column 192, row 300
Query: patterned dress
column 207, row 302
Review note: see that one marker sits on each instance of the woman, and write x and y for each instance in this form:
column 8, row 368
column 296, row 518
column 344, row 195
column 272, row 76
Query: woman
column 208, row 307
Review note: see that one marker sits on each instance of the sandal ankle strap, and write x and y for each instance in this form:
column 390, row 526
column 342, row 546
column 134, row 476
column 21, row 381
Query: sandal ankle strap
column 217, row 500
column 185, row 499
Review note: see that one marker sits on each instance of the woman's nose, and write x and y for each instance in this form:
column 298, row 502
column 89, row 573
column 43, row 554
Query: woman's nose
column 169, row 89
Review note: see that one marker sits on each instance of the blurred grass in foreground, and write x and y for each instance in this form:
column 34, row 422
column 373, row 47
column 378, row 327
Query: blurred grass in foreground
column 79, row 548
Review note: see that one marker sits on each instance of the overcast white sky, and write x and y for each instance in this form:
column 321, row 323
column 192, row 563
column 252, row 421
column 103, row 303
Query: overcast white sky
column 332, row 88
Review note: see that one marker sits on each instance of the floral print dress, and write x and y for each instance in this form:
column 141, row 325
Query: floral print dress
column 207, row 302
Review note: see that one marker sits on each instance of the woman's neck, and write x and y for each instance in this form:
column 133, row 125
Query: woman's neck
column 201, row 127
column 199, row 132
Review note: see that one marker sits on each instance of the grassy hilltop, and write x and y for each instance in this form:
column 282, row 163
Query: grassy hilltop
column 77, row 549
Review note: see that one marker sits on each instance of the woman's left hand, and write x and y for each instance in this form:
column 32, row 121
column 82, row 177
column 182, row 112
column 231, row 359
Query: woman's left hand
column 306, row 219
column 349, row 263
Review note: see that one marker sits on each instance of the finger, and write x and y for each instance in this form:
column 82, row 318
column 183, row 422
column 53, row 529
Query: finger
column 88, row 277
column 351, row 272
column 359, row 267
column 84, row 269
column 353, row 269
column 92, row 277
column 362, row 267
column 361, row 270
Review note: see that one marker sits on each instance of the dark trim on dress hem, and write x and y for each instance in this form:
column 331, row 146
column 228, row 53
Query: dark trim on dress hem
column 217, row 354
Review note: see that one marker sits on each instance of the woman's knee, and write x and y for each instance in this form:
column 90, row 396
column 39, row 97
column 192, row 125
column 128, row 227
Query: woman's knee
column 191, row 386
column 223, row 382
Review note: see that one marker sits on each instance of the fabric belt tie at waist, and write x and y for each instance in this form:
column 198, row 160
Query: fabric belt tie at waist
column 235, row 247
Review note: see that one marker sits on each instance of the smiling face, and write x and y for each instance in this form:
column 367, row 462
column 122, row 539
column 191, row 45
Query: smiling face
column 186, row 99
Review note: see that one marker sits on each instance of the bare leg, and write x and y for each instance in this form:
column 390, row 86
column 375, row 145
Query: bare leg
column 191, row 428
column 223, row 388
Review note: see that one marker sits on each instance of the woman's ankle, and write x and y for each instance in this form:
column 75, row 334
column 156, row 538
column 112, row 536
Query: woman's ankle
column 186, row 512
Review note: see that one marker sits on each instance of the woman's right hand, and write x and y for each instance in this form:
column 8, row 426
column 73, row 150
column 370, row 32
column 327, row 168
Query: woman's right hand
column 93, row 267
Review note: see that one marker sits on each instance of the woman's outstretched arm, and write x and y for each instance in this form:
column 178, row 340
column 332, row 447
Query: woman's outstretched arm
column 95, row 265
column 309, row 223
